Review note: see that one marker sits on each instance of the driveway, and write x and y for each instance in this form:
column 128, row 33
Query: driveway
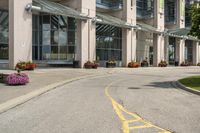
column 140, row 100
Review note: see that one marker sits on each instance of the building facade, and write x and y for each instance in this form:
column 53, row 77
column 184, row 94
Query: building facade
column 58, row 32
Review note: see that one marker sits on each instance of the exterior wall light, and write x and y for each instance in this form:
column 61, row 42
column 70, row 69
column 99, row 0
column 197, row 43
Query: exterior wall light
column 30, row 7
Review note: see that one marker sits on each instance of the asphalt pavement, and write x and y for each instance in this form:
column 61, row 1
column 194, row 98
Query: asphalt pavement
column 140, row 100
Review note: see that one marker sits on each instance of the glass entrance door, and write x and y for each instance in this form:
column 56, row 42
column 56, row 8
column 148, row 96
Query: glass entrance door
column 172, row 50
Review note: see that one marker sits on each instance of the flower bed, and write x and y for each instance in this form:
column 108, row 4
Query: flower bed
column 26, row 66
column 90, row 65
column 17, row 79
column 133, row 64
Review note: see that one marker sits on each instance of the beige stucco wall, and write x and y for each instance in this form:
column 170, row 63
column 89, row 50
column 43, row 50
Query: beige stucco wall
column 20, row 32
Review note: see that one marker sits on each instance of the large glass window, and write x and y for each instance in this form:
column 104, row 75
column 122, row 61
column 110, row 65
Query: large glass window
column 54, row 37
column 170, row 11
column 3, row 35
column 109, row 42
column 145, row 8
column 188, row 51
column 172, row 50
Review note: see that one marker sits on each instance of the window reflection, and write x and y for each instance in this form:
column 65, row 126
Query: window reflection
column 3, row 34
column 54, row 37
column 109, row 41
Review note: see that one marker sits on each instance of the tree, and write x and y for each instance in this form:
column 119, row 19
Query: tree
column 195, row 14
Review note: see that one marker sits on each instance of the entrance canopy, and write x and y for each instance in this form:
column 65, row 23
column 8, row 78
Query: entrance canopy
column 181, row 33
column 110, row 20
column 147, row 28
column 55, row 8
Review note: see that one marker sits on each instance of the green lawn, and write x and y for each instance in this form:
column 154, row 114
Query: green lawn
column 192, row 82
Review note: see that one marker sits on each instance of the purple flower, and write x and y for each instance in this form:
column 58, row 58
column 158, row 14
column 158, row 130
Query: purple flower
column 17, row 79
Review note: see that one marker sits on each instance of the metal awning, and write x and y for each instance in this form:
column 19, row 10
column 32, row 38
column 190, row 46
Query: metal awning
column 110, row 20
column 181, row 33
column 55, row 8
column 148, row 28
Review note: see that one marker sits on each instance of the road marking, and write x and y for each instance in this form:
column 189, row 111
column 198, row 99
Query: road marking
column 120, row 110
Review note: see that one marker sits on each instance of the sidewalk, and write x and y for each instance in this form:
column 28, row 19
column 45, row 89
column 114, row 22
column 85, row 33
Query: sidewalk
column 40, row 78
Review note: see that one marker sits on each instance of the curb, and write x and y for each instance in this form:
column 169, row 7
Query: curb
column 180, row 85
column 24, row 98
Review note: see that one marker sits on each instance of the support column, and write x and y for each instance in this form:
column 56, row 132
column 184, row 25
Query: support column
column 180, row 50
column 195, row 53
column 158, row 39
column 180, row 43
column 129, row 35
column 86, row 47
column 158, row 48
column 20, row 32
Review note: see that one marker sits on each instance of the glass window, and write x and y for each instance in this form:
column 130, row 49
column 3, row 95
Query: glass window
column 54, row 37
column 109, row 41
column 4, row 34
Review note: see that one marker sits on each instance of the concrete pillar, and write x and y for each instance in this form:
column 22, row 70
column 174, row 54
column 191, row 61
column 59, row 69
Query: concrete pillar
column 129, row 35
column 86, row 47
column 180, row 50
column 195, row 53
column 158, row 39
column 180, row 43
column 20, row 32
column 158, row 49
column 166, row 47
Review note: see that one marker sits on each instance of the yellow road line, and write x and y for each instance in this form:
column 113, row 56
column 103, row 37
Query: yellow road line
column 119, row 109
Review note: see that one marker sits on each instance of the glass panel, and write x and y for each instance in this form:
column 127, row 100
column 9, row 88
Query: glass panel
column 3, row 34
column 55, row 39
column 108, row 42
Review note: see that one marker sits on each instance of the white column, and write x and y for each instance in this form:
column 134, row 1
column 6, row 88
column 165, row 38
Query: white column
column 180, row 43
column 129, row 35
column 180, row 50
column 86, row 47
column 20, row 32
column 195, row 53
column 158, row 39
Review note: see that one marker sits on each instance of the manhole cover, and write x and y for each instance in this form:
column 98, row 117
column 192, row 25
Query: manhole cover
column 134, row 88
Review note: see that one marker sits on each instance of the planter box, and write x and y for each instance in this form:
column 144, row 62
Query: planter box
column 3, row 78
column 144, row 64
column 110, row 65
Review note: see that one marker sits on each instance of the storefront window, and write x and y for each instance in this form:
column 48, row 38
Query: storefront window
column 109, row 42
column 3, row 35
column 54, row 37
column 188, row 51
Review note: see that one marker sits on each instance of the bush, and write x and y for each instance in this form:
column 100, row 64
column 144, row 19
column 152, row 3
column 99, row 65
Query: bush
column 17, row 79
column 110, row 64
column 198, row 64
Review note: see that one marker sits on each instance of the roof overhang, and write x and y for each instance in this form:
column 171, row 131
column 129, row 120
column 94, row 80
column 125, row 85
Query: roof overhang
column 55, row 8
column 114, row 21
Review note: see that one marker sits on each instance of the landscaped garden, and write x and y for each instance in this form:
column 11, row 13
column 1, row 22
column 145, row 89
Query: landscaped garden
column 192, row 82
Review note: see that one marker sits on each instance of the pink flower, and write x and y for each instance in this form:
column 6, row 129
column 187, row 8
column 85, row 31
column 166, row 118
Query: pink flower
column 17, row 79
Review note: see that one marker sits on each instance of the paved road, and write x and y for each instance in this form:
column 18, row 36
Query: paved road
column 127, row 100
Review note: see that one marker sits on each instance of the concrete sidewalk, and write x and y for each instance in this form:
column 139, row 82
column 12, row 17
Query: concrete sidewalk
column 40, row 78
